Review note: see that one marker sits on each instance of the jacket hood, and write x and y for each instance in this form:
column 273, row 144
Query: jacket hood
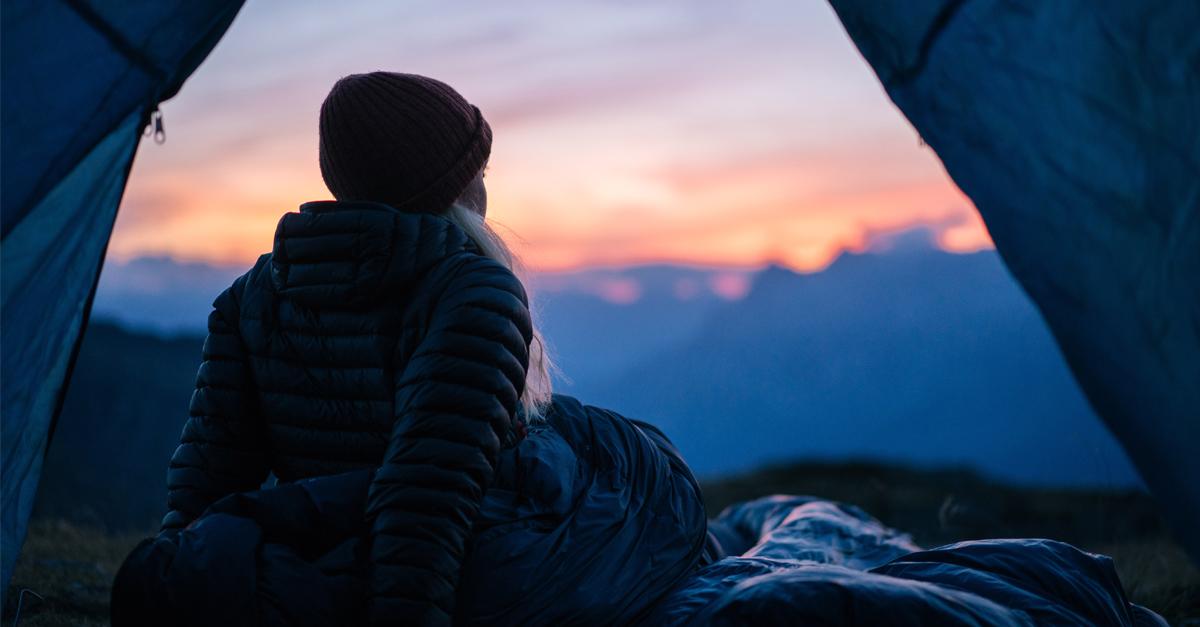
column 345, row 255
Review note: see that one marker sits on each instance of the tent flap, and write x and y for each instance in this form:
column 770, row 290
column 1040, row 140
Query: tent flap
column 50, row 262
column 80, row 79
column 1073, row 127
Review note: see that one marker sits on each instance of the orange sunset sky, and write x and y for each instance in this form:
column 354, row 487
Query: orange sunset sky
column 712, row 133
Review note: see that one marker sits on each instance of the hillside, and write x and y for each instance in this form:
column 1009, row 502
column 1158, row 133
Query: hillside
column 917, row 356
column 124, row 411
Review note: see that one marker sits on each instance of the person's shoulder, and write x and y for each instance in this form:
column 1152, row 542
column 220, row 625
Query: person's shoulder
column 470, row 270
column 256, row 278
column 260, row 271
column 471, row 261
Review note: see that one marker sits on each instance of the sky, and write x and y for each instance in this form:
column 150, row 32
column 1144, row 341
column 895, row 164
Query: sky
column 702, row 132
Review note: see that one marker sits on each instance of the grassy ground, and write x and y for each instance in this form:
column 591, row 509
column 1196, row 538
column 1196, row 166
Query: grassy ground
column 71, row 566
column 1158, row 575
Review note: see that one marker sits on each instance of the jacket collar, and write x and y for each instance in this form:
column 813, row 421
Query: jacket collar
column 345, row 255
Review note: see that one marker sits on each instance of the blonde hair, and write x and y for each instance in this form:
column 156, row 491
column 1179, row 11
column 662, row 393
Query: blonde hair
column 538, row 383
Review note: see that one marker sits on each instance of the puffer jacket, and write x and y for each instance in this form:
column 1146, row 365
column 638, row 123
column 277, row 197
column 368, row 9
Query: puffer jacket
column 368, row 338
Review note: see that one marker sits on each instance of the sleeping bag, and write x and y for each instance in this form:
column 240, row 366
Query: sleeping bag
column 813, row 562
column 594, row 519
column 591, row 519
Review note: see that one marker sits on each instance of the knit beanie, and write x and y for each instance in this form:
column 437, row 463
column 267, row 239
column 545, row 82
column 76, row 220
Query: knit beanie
column 402, row 139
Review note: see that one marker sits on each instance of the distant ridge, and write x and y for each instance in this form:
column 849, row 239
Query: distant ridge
column 912, row 356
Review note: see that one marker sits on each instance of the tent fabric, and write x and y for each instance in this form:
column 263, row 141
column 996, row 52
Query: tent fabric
column 77, row 69
column 823, row 563
column 52, row 255
column 80, row 79
column 1073, row 127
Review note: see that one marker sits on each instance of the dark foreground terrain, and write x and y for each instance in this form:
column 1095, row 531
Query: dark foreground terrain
column 71, row 565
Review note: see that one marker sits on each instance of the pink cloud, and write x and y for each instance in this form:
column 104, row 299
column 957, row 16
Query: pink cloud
column 730, row 285
column 620, row 291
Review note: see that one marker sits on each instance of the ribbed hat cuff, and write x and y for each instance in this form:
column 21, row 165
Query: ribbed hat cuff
column 438, row 195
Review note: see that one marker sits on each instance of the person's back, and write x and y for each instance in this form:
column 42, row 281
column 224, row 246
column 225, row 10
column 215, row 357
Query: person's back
column 306, row 350
column 385, row 330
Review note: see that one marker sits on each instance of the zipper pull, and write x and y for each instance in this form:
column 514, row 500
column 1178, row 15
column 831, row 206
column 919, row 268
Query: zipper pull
column 156, row 127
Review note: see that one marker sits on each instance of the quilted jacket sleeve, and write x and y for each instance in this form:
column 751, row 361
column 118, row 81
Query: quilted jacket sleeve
column 456, row 398
column 221, row 449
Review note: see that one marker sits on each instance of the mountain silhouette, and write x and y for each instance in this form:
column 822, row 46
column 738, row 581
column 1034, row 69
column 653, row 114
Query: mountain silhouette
column 915, row 355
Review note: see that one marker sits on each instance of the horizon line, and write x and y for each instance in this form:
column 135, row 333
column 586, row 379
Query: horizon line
column 878, row 243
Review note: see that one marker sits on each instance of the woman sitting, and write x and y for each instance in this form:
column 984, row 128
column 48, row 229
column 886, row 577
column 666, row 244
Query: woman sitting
column 387, row 333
